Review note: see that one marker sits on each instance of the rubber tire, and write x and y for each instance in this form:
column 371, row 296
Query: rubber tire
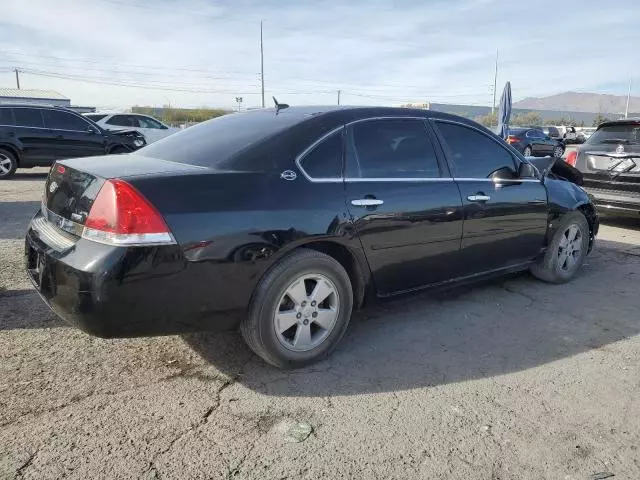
column 546, row 269
column 554, row 151
column 118, row 150
column 257, row 328
column 14, row 164
column 524, row 152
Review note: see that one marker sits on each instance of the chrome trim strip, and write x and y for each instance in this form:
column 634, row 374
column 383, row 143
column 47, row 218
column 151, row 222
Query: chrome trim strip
column 52, row 236
column 390, row 117
column 401, row 179
column 62, row 223
column 501, row 180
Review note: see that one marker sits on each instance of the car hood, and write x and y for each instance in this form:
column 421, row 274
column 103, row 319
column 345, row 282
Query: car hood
column 558, row 168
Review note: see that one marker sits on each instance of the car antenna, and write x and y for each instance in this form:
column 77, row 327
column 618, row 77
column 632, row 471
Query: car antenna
column 279, row 106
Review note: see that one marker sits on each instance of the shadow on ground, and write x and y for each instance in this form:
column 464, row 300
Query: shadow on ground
column 498, row 327
column 15, row 217
column 23, row 309
column 632, row 223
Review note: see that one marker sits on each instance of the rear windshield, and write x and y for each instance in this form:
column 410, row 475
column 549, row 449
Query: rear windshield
column 96, row 117
column 212, row 143
column 616, row 134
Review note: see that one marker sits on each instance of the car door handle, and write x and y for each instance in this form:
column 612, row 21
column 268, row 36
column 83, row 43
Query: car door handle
column 366, row 202
column 478, row 198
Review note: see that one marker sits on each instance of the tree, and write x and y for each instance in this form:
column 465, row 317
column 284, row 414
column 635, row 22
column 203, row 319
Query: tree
column 599, row 119
column 528, row 119
column 488, row 120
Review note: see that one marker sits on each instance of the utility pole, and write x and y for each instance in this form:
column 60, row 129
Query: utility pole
column 17, row 77
column 338, row 97
column 261, row 64
column 239, row 100
column 626, row 110
column 495, row 84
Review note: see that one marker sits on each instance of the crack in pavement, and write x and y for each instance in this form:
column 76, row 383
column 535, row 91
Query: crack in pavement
column 26, row 464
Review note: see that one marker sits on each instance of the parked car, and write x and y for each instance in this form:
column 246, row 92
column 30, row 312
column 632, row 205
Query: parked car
column 35, row 135
column 532, row 142
column 281, row 222
column 552, row 132
column 569, row 134
column 584, row 133
column 610, row 164
column 152, row 128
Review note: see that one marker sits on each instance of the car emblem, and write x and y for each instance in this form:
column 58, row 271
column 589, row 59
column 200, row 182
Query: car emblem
column 289, row 175
column 620, row 149
column 52, row 187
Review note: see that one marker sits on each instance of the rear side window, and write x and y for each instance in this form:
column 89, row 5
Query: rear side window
column 393, row 148
column 96, row 117
column 58, row 120
column 146, row 122
column 474, row 154
column 6, row 116
column 325, row 159
column 28, row 117
column 122, row 121
column 214, row 142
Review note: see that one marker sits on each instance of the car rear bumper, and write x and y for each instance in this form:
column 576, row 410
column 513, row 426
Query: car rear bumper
column 125, row 291
column 616, row 202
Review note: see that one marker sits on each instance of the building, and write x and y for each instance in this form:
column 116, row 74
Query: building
column 16, row 95
column 39, row 97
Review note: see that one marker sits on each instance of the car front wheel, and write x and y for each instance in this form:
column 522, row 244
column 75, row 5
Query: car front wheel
column 300, row 310
column 566, row 252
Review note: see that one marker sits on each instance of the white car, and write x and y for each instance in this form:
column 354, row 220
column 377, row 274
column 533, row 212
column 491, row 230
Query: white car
column 151, row 128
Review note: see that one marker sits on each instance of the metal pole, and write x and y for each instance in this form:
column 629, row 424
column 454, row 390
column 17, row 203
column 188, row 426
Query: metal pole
column 261, row 64
column 495, row 84
column 338, row 97
column 626, row 110
column 17, row 78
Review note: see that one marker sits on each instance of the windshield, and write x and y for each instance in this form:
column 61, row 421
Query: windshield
column 622, row 133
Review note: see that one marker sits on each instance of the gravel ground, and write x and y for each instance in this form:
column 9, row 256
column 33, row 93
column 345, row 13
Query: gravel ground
column 508, row 379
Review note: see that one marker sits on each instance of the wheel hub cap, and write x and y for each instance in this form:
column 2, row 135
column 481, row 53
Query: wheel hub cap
column 307, row 312
column 570, row 248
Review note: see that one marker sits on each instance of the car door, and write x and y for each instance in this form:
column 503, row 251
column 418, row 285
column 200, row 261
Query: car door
column 505, row 217
column 73, row 136
column 543, row 145
column 120, row 122
column 404, row 204
column 36, row 140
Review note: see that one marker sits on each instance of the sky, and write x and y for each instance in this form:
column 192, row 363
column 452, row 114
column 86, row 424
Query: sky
column 117, row 53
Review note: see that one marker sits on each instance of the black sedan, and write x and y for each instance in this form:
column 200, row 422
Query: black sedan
column 281, row 222
column 533, row 142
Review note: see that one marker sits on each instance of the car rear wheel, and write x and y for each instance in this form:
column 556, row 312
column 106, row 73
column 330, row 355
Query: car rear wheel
column 567, row 251
column 558, row 152
column 8, row 164
column 527, row 151
column 300, row 310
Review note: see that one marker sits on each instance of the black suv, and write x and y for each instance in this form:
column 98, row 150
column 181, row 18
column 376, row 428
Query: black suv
column 610, row 164
column 36, row 135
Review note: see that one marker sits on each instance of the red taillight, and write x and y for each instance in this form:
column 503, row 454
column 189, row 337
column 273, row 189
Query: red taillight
column 571, row 158
column 120, row 215
column 60, row 169
column 512, row 139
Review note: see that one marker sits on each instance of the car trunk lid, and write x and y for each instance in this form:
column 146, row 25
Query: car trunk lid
column 73, row 185
column 611, row 166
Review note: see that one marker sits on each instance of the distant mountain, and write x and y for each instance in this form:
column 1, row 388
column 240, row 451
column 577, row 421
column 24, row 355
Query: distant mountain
column 581, row 102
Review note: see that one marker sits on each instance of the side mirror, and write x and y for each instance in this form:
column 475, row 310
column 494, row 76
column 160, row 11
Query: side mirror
column 91, row 130
column 526, row 170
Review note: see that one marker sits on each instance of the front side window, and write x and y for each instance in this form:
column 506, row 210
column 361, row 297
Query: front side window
column 121, row 121
column 28, row 117
column 58, row 120
column 390, row 148
column 474, row 154
column 325, row 159
column 96, row 117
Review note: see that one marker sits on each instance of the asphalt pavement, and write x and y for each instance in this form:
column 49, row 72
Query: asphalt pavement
column 509, row 379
